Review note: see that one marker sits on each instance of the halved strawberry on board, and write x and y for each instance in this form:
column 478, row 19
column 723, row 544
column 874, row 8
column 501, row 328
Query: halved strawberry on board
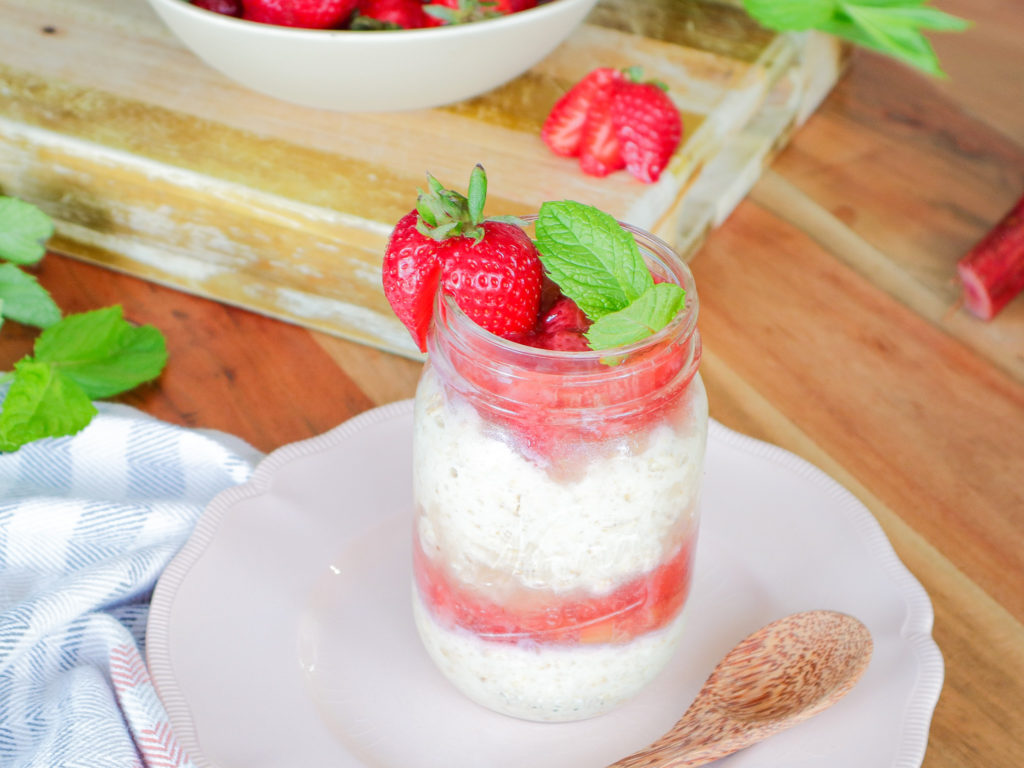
column 647, row 125
column 563, row 128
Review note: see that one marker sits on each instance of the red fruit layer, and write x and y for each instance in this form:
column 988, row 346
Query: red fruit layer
column 644, row 604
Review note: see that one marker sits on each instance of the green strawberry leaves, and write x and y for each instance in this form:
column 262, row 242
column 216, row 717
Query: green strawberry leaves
column 891, row 27
column 598, row 265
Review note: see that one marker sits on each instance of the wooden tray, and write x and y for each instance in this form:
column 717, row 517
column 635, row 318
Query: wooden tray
column 154, row 164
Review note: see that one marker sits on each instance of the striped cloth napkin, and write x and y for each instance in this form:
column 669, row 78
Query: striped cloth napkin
column 87, row 524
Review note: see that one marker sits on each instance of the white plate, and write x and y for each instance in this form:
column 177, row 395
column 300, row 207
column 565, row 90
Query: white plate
column 281, row 634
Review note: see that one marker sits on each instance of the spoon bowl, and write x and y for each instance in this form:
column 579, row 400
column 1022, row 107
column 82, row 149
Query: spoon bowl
column 784, row 673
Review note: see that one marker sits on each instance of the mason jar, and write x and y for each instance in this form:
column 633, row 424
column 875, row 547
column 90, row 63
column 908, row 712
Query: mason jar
column 557, row 504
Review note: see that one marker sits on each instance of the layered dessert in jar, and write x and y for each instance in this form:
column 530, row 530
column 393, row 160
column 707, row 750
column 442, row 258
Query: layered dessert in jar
column 560, row 427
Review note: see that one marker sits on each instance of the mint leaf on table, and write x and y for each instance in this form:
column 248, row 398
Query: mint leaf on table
column 102, row 352
column 41, row 402
column 23, row 299
column 651, row 312
column 891, row 27
column 593, row 260
column 24, row 230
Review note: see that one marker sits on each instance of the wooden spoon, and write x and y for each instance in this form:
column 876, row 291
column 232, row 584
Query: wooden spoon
column 777, row 677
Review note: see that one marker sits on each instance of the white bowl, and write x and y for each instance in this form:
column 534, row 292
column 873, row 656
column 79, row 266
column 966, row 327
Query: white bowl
column 374, row 71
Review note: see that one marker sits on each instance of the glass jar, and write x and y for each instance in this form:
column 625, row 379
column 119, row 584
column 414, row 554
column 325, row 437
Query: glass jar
column 556, row 503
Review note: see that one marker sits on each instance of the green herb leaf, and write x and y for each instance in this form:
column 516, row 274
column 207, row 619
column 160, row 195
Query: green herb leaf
column 790, row 14
column 647, row 315
column 593, row 260
column 24, row 299
column 41, row 402
column 891, row 27
column 24, row 230
column 102, row 352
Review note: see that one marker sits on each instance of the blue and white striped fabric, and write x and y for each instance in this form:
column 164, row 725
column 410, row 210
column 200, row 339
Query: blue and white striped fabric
column 87, row 524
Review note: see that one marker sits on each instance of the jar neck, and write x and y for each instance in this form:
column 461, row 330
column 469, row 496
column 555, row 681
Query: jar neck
column 504, row 377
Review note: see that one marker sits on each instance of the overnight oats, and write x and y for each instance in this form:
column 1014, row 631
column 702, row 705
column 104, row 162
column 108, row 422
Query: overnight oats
column 556, row 486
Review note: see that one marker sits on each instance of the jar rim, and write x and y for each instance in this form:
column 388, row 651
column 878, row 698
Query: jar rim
column 682, row 325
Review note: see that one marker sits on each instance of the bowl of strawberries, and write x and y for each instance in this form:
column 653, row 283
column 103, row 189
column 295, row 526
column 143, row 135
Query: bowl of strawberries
column 372, row 55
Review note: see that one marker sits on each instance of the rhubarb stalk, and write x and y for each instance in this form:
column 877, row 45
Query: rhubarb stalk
column 992, row 273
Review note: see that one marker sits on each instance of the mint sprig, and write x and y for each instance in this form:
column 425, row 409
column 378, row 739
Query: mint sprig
column 593, row 260
column 648, row 314
column 75, row 359
column 597, row 264
column 891, row 27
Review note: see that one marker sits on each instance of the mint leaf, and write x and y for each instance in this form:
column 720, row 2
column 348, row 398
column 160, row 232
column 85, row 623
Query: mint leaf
column 790, row 14
column 891, row 27
column 593, row 260
column 41, row 403
column 24, row 230
column 647, row 315
column 24, row 299
column 102, row 352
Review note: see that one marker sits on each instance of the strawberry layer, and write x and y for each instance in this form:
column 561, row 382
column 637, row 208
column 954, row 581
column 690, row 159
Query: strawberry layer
column 641, row 605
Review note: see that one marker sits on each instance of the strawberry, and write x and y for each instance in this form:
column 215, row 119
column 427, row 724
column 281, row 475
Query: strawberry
column 463, row 11
column 490, row 267
column 460, row 11
column 647, row 126
column 515, row 6
column 992, row 273
column 599, row 146
column 308, row 14
column 225, row 7
column 389, row 14
column 563, row 129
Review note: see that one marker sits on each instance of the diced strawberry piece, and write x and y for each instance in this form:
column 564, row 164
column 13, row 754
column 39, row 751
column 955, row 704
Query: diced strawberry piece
column 647, row 126
column 563, row 129
column 564, row 315
column 307, row 14
column 992, row 273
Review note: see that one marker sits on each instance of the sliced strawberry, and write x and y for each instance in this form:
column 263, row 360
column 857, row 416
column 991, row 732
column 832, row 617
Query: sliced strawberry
column 644, row 604
column 389, row 14
column 599, row 145
column 563, row 129
column 224, row 7
column 307, row 14
column 647, row 126
column 992, row 273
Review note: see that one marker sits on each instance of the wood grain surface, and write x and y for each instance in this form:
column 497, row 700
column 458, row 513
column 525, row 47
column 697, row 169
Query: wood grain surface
column 831, row 326
column 153, row 163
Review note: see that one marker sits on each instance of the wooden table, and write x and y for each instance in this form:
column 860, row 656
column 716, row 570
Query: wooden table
column 831, row 328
